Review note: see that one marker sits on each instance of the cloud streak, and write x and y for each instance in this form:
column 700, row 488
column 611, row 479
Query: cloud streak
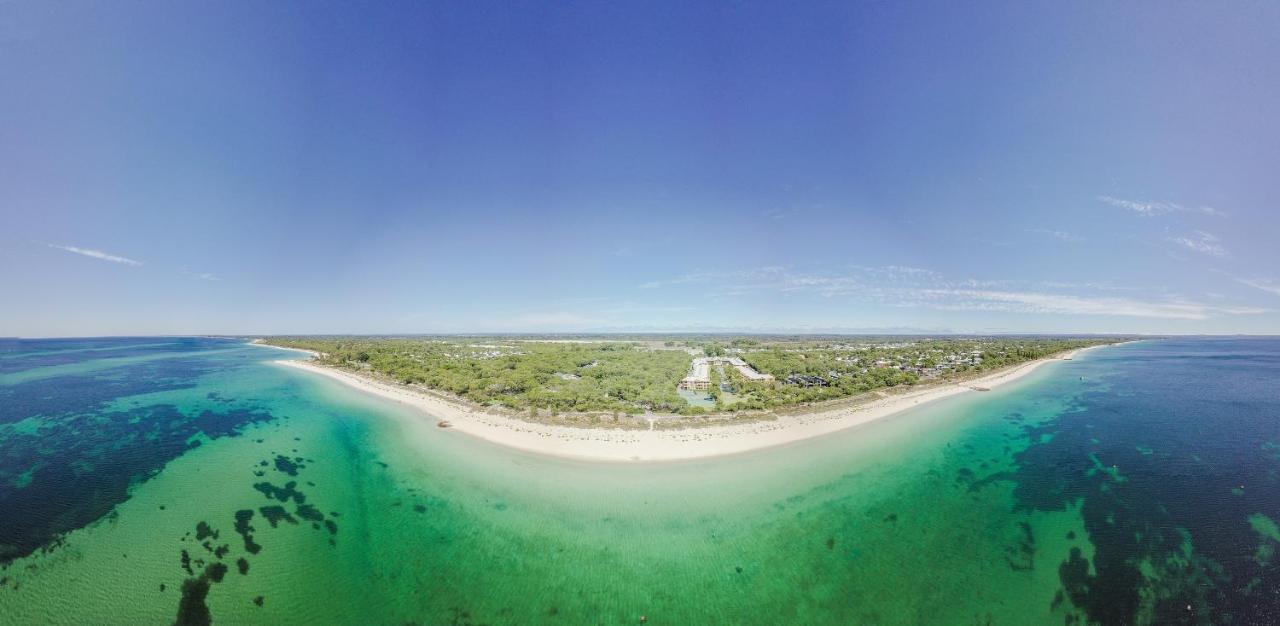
column 209, row 276
column 1202, row 242
column 1152, row 209
column 97, row 254
column 1056, row 234
column 913, row 287
column 1036, row 302
column 1261, row 284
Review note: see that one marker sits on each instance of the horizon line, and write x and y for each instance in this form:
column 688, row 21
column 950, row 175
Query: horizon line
column 634, row 333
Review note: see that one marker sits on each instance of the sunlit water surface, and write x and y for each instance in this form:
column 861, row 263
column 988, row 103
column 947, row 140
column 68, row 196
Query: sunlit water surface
column 161, row 480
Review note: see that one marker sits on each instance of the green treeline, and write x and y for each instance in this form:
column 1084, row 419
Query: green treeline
column 556, row 377
column 553, row 377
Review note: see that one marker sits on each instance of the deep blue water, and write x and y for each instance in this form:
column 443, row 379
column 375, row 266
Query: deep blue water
column 67, row 457
column 1174, row 451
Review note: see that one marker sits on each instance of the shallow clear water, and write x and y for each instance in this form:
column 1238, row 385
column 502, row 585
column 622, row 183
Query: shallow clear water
column 1122, row 487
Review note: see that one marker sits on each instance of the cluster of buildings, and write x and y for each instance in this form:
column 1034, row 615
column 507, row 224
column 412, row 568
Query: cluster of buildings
column 935, row 365
column 811, row 381
column 925, row 367
column 699, row 377
column 479, row 355
column 481, row 351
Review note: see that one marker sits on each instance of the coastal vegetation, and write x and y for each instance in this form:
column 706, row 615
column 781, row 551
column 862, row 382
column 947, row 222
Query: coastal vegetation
column 620, row 376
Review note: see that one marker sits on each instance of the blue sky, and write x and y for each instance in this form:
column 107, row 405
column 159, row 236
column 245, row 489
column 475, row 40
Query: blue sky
column 267, row 167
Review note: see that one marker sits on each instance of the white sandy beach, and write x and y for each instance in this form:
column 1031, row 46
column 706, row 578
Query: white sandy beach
column 601, row 444
column 261, row 344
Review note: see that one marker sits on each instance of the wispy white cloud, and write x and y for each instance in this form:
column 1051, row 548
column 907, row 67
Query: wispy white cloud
column 1151, row 209
column 97, row 254
column 707, row 277
column 1262, row 284
column 203, row 275
column 1036, row 302
column 697, row 277
column 1097, row 286
column 899, row 271
column 913, row 287
column 1201, row 242
column 1056, row 234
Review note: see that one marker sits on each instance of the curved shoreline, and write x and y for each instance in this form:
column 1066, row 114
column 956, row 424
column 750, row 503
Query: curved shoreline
column 598, row 444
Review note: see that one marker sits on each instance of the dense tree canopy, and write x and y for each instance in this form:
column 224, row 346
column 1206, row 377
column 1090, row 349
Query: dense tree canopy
column 640, row 376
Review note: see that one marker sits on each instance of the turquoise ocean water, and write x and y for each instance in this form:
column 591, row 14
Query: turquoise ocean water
column 162, row 480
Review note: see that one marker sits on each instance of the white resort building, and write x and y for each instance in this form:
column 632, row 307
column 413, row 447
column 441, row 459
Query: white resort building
column 699, row 377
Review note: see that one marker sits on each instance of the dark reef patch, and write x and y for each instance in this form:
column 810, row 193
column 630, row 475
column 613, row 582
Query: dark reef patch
column 284, row 494
column 309, row 513
column 243, row 516
column 1209, row 407
column 192, row 609
column 216, row 571
column 275, row 514
column 1021, row 556
column 290, row 467
column 203, row 531
column 83, row 459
